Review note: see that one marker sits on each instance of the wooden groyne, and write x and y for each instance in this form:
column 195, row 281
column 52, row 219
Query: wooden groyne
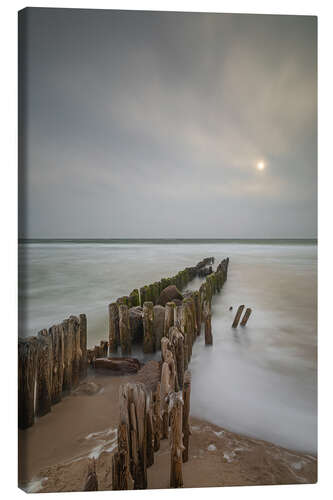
column 149, row 416
column 50, row 365
column 54, row 362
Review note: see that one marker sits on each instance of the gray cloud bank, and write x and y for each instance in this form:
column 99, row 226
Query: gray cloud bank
column 150, row 125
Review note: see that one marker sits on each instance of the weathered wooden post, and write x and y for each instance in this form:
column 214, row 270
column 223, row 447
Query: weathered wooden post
column 169, row 318
column 177, row 342
column 197, row 302
column 176, row 437
column 83, row 346
column 68, row 356
column 165, row 389
column 148, row 330
column 27, row 367
column 44, row 373
column 91, row 483
column 124, row 330
column 186, row 414
column 114, row 335
column 157, row 416
column 57, row 333
column 75, row 332
column 246, row 316
column 150, row 434
column 208, row 323
column 238, row 315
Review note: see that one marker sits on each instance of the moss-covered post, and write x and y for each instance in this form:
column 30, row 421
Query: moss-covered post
column 148, row 330
column 114, row 334
column 124, row 330
column 134, row 299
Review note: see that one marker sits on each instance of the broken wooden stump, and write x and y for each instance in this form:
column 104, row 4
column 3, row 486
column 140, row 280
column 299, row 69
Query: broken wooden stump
column 238, row 315
column 124, row 330
column 246, row 316
column 176, row 440
column 114, row 334
column 148, row 330
column 91, row 483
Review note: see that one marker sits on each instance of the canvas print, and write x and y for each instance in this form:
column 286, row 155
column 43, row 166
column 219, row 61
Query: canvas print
column 167, row 250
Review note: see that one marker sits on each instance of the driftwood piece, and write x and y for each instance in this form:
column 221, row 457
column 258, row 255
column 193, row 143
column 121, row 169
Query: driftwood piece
column 208, row 323
column 237, row 317
column 114, row 335
column 91, row 483
column 27, row 367
column 186, row 414
column 124, row 330
column 122, row 365
column 148, row 330
column 176, row 440
column 246, row 316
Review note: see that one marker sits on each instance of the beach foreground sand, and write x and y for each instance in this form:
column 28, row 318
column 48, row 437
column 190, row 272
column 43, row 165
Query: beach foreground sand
column 54, row 453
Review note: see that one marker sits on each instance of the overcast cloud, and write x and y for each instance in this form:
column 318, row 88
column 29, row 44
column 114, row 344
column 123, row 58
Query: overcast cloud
column 147, row 125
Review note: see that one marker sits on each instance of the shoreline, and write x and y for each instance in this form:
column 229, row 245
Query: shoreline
column 84, row 425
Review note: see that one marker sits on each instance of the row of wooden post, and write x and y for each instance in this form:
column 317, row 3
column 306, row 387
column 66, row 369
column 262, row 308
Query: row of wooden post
column 147, row 418
column 50, row 365
column 146, row 297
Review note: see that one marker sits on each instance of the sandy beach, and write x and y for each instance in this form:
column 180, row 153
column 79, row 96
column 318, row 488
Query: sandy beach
column 54, row 453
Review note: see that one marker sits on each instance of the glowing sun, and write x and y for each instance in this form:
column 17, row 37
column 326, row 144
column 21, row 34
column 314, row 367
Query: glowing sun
column 260, row 165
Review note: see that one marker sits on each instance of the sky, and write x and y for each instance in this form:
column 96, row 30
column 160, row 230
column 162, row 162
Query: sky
column 151, row 125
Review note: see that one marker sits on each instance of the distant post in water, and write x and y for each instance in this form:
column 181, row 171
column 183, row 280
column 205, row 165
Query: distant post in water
column 238, row 315
column 246, row 316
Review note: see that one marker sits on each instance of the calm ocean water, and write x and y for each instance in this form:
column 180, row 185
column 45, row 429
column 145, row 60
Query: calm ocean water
column 260, row 380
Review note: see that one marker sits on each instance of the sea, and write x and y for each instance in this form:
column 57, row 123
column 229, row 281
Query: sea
column 259, row 380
